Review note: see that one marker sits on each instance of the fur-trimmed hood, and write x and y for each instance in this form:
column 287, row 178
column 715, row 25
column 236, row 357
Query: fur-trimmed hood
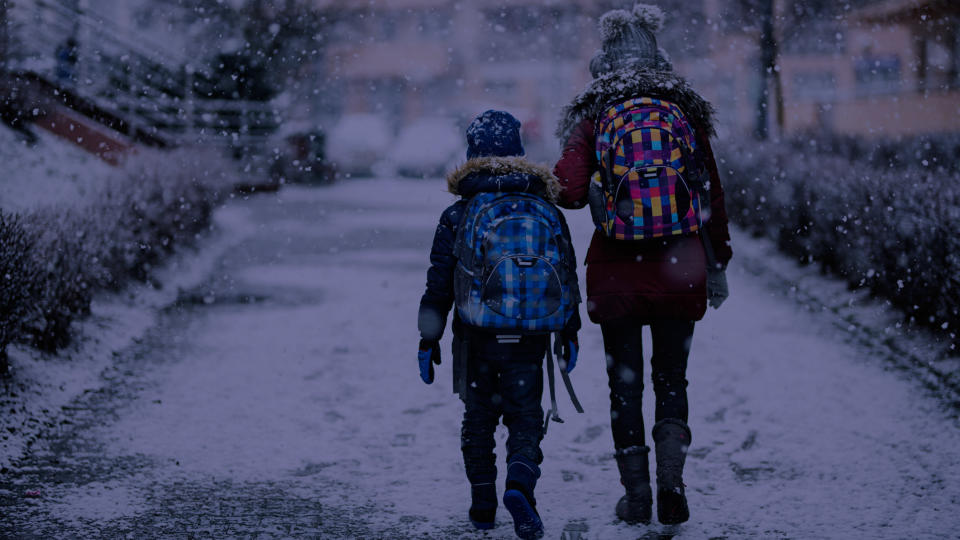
column 503, row 174
column 632, row 82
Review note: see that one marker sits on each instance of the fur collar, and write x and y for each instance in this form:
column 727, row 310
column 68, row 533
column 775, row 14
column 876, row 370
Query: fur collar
column 633, row 82
column 548, row 186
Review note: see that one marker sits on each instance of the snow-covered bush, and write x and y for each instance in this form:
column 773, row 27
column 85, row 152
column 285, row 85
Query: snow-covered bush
column 861, row 211
column 60, row 268
column 58, row 257
column 938, row 151
column 153, row 207
column 14, row 281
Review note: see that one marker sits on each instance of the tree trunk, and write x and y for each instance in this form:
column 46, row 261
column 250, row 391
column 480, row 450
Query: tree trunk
column 778, row 95
column 954, row 70
column 4, row 34
column 920, row 45
column 768, row 63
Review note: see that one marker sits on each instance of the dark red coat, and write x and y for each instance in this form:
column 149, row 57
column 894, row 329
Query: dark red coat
column 654, row 279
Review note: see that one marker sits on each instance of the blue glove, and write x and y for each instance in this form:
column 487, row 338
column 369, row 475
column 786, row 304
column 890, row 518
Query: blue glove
column 427, row 356
column 567, row 347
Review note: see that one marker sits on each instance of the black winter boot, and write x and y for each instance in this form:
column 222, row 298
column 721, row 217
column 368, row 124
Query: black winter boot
column 483, row 506
column 522, row 474
column 634, row 464
column 672, row 438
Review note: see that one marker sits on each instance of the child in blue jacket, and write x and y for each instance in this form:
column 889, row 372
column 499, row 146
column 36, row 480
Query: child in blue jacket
column 497, row 377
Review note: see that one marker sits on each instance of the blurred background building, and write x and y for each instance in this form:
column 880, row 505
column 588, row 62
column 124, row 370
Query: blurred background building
column 413, row 58
column 882, row 69
column 771, row 67
column 867, row 68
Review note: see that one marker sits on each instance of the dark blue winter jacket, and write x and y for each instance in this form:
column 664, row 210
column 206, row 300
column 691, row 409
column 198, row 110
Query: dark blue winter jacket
column 477, row 175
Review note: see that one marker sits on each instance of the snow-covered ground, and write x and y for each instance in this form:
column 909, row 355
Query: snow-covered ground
column 42, row 384
column 284, row 400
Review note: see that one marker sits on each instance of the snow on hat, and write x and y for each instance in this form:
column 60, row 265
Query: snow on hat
column 628, row 39
column 649, row 16
column 494, row 133
column 619, row 24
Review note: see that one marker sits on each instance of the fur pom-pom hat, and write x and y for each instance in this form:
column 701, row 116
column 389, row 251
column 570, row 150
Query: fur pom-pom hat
column 628, row 40
column 630, row 65
column 614, row 24
column 650, row 16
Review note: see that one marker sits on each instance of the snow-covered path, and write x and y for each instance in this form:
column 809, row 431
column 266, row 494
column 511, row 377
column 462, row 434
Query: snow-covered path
column 282, row 399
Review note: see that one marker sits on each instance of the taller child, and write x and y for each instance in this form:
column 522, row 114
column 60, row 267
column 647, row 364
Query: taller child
column 495, row 374
column 663, row 280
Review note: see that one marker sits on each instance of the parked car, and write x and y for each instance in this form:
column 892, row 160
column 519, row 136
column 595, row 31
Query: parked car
column 302, row 159
column 427, row 147
column 358, row 143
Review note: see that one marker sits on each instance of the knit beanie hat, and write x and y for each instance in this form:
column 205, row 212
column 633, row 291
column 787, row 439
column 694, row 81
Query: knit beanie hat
column 494, row 133
column 628, row 40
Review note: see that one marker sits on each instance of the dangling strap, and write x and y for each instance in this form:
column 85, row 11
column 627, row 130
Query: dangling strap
column 558, row 349
column 552, row 414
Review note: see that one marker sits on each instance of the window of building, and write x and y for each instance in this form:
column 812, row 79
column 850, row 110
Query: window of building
column 816, row 86
column 435, row 23
column 517, row 33
column 878, row 75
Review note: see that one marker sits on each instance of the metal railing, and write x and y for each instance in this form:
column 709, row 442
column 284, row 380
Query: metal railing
column 122, row 73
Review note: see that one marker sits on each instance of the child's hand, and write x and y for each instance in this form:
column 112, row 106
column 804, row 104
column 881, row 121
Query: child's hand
column 427, row 356
column 568, row 347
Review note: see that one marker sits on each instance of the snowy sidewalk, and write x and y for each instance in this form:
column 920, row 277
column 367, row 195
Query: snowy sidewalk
column 281, row 398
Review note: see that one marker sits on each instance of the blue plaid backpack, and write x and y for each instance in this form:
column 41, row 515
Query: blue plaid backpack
column 515, row 269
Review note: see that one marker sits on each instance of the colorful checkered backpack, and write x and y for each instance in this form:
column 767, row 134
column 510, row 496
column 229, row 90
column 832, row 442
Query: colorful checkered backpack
column 649, row 186
column 515, row 270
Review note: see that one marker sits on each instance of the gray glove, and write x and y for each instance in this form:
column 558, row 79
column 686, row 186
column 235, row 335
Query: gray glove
column 717, row 290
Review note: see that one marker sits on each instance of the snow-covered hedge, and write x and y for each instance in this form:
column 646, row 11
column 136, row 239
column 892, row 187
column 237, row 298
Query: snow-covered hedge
column 881, row 215
column 902, row 153
column 53, row 259
column 15, row 248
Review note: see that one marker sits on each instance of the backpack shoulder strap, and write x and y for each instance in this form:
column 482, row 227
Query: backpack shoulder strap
column 552, row 413
column 697, row 174
column 606, row 170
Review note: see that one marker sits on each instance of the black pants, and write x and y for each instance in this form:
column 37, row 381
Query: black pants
column 623, row 345
column 506, row 380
